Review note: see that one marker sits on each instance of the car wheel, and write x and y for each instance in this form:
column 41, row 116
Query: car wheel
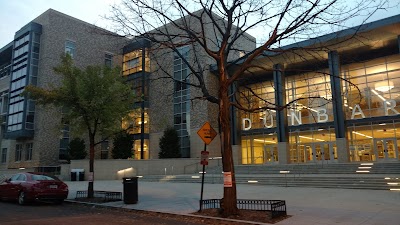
column 21, row 198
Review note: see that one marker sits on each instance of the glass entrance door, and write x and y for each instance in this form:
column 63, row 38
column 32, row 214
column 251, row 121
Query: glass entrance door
column 309, row 153
column 270, row 154
column 386, row 149
column 320, row 152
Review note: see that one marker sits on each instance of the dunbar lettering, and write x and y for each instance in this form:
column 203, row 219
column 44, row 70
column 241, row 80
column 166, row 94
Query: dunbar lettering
column 321, row 115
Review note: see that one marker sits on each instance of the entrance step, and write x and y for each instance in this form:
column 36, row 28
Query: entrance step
column 376, row 176
column 383, row 182
column 342, row 168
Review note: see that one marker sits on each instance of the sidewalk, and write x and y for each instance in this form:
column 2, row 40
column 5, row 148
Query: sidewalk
column 308, row 206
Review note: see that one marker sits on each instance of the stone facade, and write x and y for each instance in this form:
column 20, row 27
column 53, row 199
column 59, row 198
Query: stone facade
column 201, row 111
column 91, row 45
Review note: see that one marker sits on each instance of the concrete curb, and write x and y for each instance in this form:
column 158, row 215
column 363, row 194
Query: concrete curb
column 176, row 214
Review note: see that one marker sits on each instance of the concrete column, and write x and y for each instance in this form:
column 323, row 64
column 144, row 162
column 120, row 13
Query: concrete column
column 283, row 153
column 339, row 119
column 342, row 145
column 237, row 154
column 281, row 115
column 280, row 100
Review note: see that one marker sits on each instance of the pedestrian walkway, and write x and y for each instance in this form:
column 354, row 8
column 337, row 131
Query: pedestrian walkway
column 308, row 206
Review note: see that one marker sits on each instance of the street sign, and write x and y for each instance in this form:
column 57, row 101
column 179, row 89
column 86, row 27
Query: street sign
column 227, row 179
column 207, row 133
column 204, row 158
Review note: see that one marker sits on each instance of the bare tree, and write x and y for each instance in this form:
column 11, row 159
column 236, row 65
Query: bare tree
column 216, row 32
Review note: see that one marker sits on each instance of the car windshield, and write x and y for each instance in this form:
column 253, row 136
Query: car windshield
column 41, row 177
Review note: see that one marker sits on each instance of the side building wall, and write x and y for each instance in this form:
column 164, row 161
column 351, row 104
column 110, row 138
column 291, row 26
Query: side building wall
column 90, row 46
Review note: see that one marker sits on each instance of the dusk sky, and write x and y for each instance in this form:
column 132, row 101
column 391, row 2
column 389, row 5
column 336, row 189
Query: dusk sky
column 16, row 13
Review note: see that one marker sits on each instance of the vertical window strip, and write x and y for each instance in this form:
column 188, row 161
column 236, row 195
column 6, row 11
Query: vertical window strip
column 181, row 100
column 70, row 48
column 18, row 152
column 28, row 151
column 4, row 155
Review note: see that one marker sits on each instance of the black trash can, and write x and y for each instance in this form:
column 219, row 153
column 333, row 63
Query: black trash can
column 81, row 175
column 73, row 175
column 130, row 190
column 77, row 174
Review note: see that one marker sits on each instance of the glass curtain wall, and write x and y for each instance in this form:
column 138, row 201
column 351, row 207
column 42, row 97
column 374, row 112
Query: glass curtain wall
column 370, row 90
column 132, row 62
column 259, row 149
column 134, row 70
column 311, row 98
column 182, row 101
column 375, row 94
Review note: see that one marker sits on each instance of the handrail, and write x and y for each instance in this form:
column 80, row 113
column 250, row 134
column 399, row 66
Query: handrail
column 197, row 164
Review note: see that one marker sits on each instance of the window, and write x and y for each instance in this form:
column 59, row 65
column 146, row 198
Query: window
column 18, row 152
column 104, row 149
column 42, row 177
column 21, row 177
column 64, row 138
column 28, row 151
column 70, row 48
column 15, row 177
column 133, row 122
column 181, row 99
column 133, row 62
column 4, row 155
column 108, row 59
column 136, row 85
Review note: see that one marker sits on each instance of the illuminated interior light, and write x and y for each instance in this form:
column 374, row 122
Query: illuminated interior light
column 348, row 106
column 382, row 124
column 367, row 164
column 284, row 171
column 364, row 135
column 218, row 157
column 320, row 129
column 384, row 86
column 387, row 178
column 393, row 183
column 380, row 96
column 364, row 167
column 22, row 168
column 362, row 171
column 195, row 177
column 305, row 107
column 202, row 172
column 260, row 140
column 252, row 181
column 125, row 170
column 306, row 137
column 140, row 176
column 394, row 189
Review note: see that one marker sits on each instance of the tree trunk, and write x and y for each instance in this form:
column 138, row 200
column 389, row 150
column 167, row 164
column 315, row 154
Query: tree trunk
column 229, row 202
column 91, row 166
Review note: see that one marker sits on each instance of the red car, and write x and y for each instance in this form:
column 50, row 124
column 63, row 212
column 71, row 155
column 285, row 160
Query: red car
column 27, row 187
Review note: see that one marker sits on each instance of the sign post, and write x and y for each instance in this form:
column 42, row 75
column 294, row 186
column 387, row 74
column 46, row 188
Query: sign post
column 207, row 134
